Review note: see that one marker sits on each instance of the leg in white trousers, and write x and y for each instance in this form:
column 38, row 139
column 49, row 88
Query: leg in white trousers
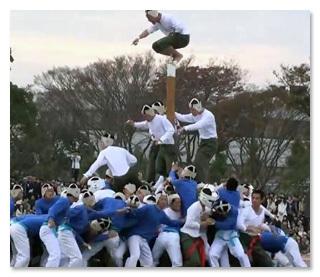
column 119, row 252
column 219, row 248
column 139, row 250
column 69, row 248
column 293, row 253
column 87, row 254
column 170, row 242
column 282, row 260
column 224, row 258
column 51, row 243
column 236, row 250
column 21, row 243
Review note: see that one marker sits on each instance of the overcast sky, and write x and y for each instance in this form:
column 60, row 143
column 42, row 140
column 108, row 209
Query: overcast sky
column 259, row 41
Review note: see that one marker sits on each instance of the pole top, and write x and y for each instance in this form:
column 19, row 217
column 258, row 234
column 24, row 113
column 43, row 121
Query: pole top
column 171, row 70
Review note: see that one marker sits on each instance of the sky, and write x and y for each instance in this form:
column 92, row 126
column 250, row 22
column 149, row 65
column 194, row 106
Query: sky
column 259, row 41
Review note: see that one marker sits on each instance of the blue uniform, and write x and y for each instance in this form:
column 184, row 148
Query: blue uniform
column 107, row 207
column 59, row 212
column 149, row 218
column 272, row 242
column 11, row 207
column 230, row 222
column 43, row 205
column 231, row 196
column 31, row 223
column 187, row 190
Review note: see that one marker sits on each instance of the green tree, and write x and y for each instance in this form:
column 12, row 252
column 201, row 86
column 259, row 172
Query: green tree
column 296, row 177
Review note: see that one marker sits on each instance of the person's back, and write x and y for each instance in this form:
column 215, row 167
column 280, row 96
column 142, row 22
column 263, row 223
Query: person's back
column 231, row 196
column 187, row 190
column 118, row 159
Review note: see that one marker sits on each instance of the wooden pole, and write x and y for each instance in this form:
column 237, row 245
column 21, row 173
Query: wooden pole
column 171, row 91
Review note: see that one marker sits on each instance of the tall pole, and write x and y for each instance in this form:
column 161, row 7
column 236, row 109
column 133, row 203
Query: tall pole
column 171, row 91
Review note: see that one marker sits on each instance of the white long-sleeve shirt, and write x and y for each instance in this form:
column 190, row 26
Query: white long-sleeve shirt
column 168, row 24
column 118, row 160
column 159, row 127
column 247, row 216
column 193, row 219
column 205, row 123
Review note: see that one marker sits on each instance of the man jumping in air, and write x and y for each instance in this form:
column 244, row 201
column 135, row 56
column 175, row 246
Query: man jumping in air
column 177, row 36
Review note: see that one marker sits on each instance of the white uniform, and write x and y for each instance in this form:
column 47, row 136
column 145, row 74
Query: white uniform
column 21, row 244
column 223, row 240
column 204, row 123
column 192, row 224
column 50, row 240
column 112, row 245
column 70, row 253
column 118, row 160
column 169, row 240
column 168, row 24
column 160, row 128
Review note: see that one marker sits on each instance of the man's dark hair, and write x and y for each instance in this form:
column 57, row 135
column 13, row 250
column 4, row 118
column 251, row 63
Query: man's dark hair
column 232, row 184
column 260, row 192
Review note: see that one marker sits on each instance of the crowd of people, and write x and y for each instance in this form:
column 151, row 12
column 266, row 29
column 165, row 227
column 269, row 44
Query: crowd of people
column 173, row 218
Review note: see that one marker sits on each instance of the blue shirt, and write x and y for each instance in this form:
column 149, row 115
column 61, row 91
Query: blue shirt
column 11, row 207
column 272, row 242
column 32, row 223
column 230, row 222
column 107, row 207
column 187, row 190
column 231, row 196
column 43, row 205
column 149, row 218
column 59, row 211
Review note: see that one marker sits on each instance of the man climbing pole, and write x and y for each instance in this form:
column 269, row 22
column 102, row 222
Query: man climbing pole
column 177, row 35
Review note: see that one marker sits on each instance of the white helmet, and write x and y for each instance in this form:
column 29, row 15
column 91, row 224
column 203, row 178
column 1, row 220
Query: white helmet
column 222, row 206
column 16, row 190
column 159, row 194
column 101, row 224
column 153, row 13
column 133, row 201
column 88, row 199
column 208, row 196
column 119, row 195
column 196, row 104
column 159, row 107
column 64, row 193
column 95, row 183
column 44, row 188
column 146, row 109
column 107, row 139
column 131, row 188
column 172, row 197
column 73, row 190
column 189, row 172
column 149, row 199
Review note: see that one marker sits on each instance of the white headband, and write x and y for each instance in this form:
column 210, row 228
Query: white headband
column 197, row 106
column 146, row 109
column 153, row 13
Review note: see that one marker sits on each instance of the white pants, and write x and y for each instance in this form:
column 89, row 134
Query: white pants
column 70, row 251
column 51, row 243
column 281, row 260
column 119, row 252
column 293, row 253
column 111, row 245
column 224, row 240
column 21, row 244
column 139, row 250
column 170, row 242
